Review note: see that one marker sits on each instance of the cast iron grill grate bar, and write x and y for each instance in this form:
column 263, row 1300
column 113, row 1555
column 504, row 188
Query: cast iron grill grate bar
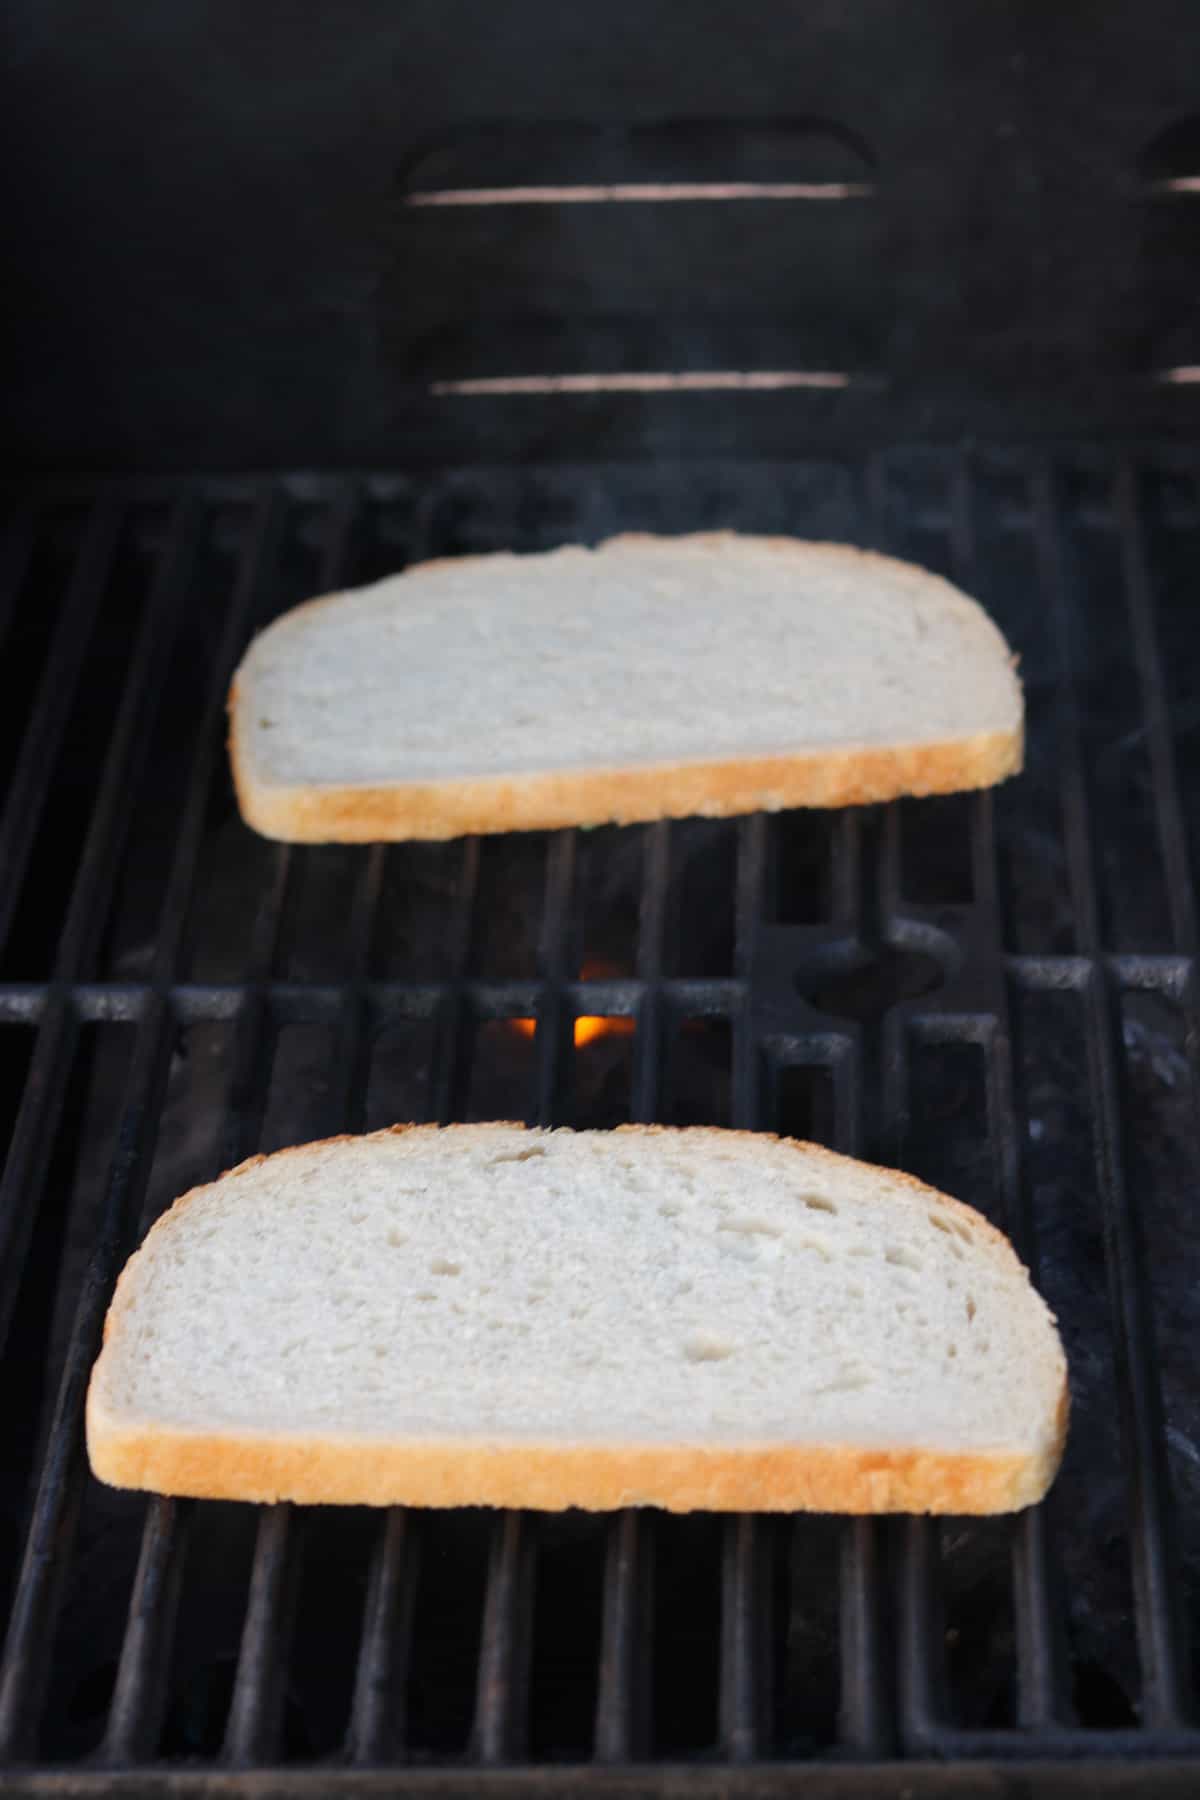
column 376, row 1732
column 140, row 1690
column 864, row 872
column 1155, row 710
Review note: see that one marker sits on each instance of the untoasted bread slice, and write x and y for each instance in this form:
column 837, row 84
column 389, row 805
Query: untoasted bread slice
column 650, row 678
column 487, row 1315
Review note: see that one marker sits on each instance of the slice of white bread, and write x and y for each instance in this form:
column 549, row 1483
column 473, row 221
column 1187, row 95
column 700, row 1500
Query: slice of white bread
column 483, row 1314
column 650, row 678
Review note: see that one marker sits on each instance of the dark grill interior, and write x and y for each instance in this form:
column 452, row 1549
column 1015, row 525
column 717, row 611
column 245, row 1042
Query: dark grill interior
column 995, row 991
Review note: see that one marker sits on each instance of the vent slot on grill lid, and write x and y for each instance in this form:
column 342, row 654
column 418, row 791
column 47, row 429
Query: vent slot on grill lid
column 559, row 260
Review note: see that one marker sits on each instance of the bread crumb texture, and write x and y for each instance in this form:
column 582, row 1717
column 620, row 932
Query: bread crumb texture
column 651, row 677
column 489, row 1315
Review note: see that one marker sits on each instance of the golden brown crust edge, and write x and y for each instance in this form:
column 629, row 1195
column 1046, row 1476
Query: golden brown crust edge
column 553, row 799
column 549, row 1478
column 678, row 1478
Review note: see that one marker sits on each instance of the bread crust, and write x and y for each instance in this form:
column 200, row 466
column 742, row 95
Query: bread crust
column 349, row 1470
column 550, row 1478
column 628, row 794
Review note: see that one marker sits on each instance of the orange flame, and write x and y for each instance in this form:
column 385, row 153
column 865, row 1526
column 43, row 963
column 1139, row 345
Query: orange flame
column 589, row 1028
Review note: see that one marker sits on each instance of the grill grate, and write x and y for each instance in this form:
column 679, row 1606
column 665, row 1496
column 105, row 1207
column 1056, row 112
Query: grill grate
column 997, row 991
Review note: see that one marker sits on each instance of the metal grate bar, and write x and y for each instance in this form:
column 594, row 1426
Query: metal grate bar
column 714, row 997
column 1156, row 1584
column 1041, row 1688
column 139, row 1695
column 377, row 1724
column 1156, row 711
column 864, row 1711
column 745, row 1635
column 252, row 1730
column 922, row 1673
column 502, row 1690
column 320, row 1002
column 620, row 1729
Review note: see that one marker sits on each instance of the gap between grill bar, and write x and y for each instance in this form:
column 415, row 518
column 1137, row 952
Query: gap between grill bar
column 1155, row 1575
column 16, row 554
column 449, row 1061
column 1041, row 1688
column 555, row 1028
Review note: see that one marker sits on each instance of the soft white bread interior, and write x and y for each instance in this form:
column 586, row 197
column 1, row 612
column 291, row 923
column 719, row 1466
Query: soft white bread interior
column 483, row 1314
column 649, row 678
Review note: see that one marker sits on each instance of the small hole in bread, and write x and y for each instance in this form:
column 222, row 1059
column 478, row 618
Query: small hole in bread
column 518, row 1156
column 818, row 1203
column 397, row 1238
column 971, row 1309
column 442, row 1265
column 903, row 1258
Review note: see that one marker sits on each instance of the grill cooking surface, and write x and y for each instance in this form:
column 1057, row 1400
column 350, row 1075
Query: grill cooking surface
column 995, row 991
